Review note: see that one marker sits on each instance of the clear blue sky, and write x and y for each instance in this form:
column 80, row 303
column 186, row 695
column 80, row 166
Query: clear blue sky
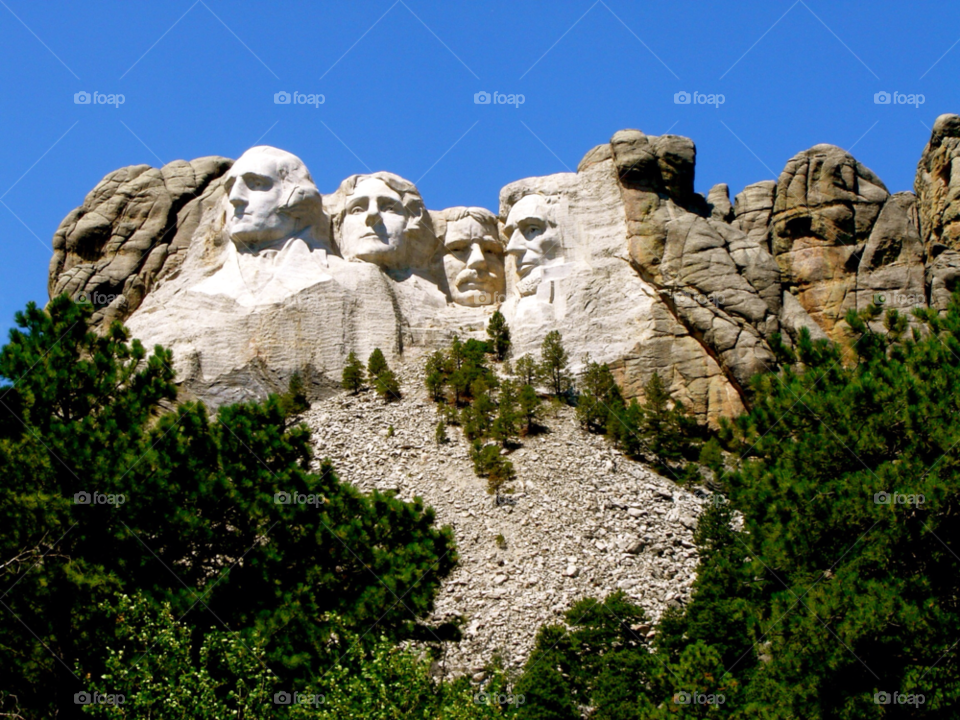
column 399, row 80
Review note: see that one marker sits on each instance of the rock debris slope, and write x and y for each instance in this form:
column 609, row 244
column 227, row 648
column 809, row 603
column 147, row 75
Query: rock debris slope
column 586, row 521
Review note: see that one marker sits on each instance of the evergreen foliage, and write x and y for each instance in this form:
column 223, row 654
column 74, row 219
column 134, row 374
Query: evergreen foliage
column 839, row 584
column 376, row 364
column 499, row 333
column 504, row 427
column 598, row 396
column 526, row 370
column 294, row 400
column 436, row 375
column 554, row 364
column 220, row 517
column 382, row 377
column 660, row 428
column 528, row 408
column 353, row 374
column 387, row 385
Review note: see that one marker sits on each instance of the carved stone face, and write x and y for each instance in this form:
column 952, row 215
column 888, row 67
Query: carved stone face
column 256, row 191
column 374, row 222
column 473, row 261
column 533, row 240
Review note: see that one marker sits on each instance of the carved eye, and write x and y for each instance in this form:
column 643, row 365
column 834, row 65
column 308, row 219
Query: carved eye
column 531, row 230
column 257, row 182
column 390, row 205
column 356, row 209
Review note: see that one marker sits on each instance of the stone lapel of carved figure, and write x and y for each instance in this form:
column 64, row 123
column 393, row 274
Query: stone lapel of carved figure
column 278, row 231
column 472, row 256
column 533, row 241
column 382, row 220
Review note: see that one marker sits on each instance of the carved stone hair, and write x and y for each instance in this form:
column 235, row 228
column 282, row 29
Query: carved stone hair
column 419, row 230
column 483, row 216
column 301, row 199
column 409, row 197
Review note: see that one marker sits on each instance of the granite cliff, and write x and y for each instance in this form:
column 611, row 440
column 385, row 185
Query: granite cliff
column 251, row 274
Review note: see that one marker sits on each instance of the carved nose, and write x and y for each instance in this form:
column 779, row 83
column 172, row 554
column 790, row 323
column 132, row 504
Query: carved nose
column 373, row 216
column 237, row 195
column 516, row 244
column 475, row 260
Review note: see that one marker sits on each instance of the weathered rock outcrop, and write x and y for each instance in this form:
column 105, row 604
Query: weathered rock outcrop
column 132, row 228
column 825, row 209
column 252, row 280
column 938, row 202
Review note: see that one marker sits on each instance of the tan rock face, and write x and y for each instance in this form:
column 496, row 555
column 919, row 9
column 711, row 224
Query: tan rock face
column 752, row 209
column 825, row 208
column 133, row 227
column 251, row 280
column 937, row 186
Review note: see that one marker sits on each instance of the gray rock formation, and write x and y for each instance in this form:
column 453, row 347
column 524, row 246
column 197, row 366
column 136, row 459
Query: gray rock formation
column 133, row 228
column 251, row 275
column 824, row 212
column 938, row 203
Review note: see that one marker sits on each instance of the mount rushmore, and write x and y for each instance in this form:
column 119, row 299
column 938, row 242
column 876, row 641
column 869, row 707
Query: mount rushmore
column 251, row 274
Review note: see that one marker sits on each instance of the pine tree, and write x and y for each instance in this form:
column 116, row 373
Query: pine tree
column 499, row 334
column 387, row 386
column 825, row 477
column 598, row 396
column 596, row 658
column 435, row 377
column 198, row 490
column 666, row 428
column 376, row 364
column 477, row 417
column 499, row 476
column 504, row 427
column 294, row 400
column 660, row 427
column 529, row 408
column 353, row 375
column 441, row 433
column 526, row 370
column 554, row 363
column 456, row 352
column 484, row 456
